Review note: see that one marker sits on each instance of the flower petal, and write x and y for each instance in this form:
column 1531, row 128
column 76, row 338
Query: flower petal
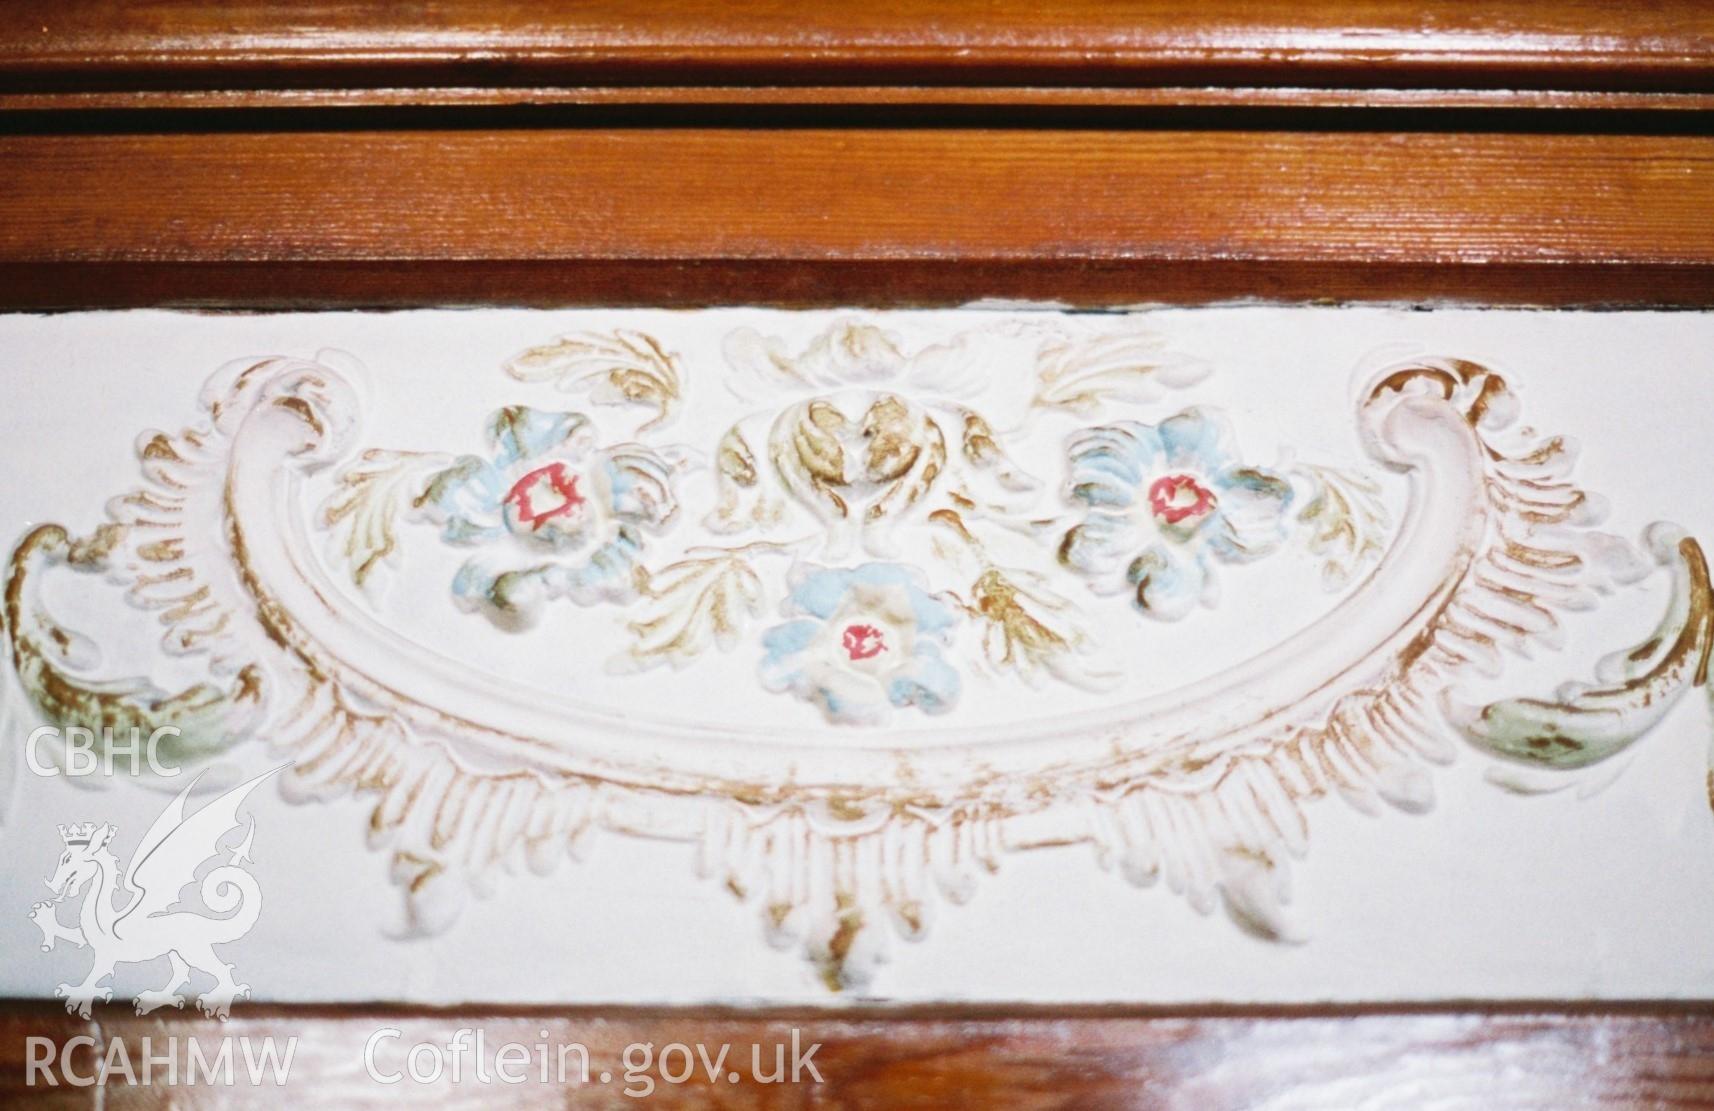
column 818, row 591
column 782, row 642
column 1099, row 547
column 502, row 586
column 606, row 576
column 928, row 682
column 1197, row 439
column 1108, row 463
column 1252, row 514
column 519, row 432
column 465, row 500
column 933, row 613
column 1169, row 581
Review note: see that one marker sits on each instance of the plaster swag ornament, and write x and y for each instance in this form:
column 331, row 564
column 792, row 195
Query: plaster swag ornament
column 882, row 538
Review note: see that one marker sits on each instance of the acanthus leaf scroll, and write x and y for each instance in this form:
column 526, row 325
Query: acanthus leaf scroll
column 885, row 537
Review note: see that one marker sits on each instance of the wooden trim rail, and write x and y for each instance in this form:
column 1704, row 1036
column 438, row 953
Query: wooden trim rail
column 1663, row 46
column 876, row 216
column 1524, row 1055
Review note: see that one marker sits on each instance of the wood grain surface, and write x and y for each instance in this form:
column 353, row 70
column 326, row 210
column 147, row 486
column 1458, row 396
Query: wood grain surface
column 333, row 153
column 1019, row 103
column 1662, row 45
column 1653, row 1056
column 688, row 215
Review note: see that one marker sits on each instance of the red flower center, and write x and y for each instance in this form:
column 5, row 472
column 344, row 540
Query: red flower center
column 863, row 642
column 544, row 494
column 1178, row 497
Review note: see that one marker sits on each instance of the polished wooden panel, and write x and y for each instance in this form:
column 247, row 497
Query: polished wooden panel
column 821, row 216
column 1666, row 44
column 1003, row 102
column 1658, row 1056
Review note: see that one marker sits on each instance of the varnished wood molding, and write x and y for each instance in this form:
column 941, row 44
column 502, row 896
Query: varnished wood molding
column 679, row 216
column 1499, row 44
column 1000, row 103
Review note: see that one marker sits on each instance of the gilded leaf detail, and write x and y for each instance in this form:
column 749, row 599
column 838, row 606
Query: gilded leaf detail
column 363, row 512
column 1080, row 375
column 621, row 368
column 692, row 605
column 1345, row 521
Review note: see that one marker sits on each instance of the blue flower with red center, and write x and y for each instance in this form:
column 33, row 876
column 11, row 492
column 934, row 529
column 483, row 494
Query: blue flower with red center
column 1165, row 503
column 554, row 514
column 544, row 498
column 866, row 639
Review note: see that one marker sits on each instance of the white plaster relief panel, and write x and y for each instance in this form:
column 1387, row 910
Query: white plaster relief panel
column 828, row 655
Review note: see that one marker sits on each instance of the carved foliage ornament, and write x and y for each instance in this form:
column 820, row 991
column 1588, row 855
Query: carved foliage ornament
column 867, row 545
